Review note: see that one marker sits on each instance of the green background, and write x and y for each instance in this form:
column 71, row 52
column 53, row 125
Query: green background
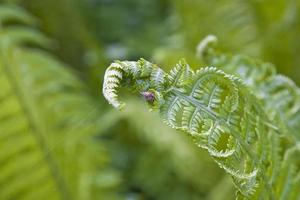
column 59, row 139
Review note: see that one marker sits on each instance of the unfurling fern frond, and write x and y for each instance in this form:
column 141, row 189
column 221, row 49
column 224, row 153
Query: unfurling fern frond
column 221, row 115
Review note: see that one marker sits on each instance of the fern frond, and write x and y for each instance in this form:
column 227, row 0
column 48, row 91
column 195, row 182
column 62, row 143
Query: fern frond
column 129, row 71
column 43, row 155
column 9, row 13
column 224, row 117
column 279, row 94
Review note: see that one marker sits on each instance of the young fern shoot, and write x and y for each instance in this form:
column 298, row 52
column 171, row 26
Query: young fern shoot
column 223, row 116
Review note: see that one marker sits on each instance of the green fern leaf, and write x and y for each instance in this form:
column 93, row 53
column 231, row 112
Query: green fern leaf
column 224, row 117
column 44, row 156
column 280, row 95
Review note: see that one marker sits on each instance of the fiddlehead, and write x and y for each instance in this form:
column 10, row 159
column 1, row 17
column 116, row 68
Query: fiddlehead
column 220, row 114
column 140, row 76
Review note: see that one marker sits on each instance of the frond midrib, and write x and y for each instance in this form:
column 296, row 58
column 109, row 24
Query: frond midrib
column 35, row 119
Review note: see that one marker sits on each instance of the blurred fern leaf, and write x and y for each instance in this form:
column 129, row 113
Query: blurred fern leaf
column 47, row 122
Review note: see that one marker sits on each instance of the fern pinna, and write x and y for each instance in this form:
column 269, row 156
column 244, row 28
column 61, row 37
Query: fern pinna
column 279, row 95
column 221, row 115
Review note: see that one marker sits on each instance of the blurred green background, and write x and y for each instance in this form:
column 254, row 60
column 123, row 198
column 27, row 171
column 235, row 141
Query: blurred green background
column 59, row 139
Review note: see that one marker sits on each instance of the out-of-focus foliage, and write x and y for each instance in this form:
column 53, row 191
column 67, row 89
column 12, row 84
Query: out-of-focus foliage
column 139, row 157
column 143, row 23
column 48, row 122
column 265, row 29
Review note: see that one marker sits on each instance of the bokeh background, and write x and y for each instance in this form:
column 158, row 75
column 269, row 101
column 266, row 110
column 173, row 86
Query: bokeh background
column 59, row 139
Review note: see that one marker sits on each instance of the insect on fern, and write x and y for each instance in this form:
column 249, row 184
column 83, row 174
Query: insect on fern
column 223, row 116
